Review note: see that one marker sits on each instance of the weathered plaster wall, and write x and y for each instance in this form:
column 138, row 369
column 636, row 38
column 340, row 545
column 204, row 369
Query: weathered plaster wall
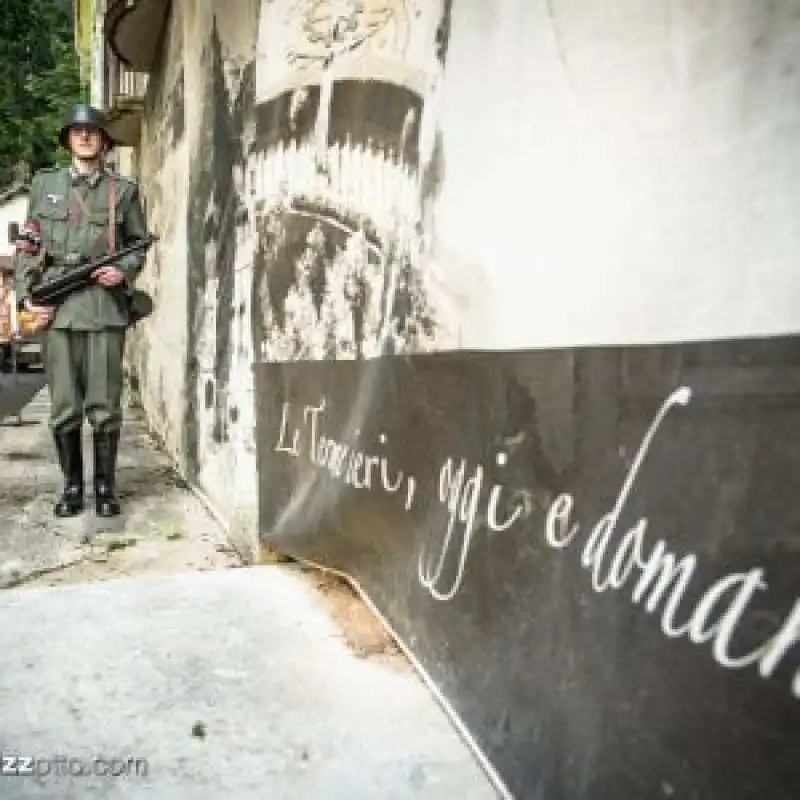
column 219, row 420
column 191, row 361
column 291, row 202
column 159, row 346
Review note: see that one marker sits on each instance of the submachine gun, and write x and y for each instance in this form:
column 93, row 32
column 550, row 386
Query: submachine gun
column 55, row 291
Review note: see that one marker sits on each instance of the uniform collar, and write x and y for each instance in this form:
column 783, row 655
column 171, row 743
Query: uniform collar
column 91, row 179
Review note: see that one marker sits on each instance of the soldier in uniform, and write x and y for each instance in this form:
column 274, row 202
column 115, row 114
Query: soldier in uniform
column 84, row 210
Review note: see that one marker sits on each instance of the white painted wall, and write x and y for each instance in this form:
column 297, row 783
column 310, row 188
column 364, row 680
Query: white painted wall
column 399, row 46
column 13, row 210
column 622, row 172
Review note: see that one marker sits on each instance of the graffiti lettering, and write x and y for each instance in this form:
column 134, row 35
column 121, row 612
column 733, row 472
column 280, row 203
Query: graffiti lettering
column 660, row 581
column 341, row 460
column 462, row 495
column 662, row 577
column 281, row 447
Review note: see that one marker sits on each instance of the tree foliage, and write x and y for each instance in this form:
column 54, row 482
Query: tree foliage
column 39, row 79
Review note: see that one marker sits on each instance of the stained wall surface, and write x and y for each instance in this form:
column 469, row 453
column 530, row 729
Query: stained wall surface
column 192, row 361
column 622, row 172
column 506, row 250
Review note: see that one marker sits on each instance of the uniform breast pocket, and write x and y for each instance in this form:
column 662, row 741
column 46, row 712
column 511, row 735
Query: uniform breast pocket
column 98, row 220
column 98, row 223
column 54, row 220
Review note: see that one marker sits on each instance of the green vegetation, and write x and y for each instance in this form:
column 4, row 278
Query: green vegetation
column 39, row 79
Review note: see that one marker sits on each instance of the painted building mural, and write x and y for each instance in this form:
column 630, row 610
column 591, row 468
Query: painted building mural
column 307, row 221
column 338, row 167
column 494, row 307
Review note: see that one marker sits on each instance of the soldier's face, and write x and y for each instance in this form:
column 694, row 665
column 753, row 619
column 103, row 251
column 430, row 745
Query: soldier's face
column 85, row 143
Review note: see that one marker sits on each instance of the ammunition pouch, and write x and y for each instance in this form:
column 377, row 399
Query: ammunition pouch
column 140, row 306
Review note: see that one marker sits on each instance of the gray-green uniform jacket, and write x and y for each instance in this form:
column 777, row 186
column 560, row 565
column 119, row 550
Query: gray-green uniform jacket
column 69, row 230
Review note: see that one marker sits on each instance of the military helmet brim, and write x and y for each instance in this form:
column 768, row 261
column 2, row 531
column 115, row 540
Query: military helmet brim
column 85, row 116
column 63, row 137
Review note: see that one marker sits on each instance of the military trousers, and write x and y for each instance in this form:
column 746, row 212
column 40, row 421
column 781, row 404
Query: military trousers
column 84, row 372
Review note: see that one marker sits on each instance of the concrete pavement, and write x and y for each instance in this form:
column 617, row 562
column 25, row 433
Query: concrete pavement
column 191, row 679
column 251, row 659
column 164, row 527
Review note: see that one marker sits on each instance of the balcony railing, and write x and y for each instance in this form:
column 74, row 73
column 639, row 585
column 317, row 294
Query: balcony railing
column 123, row 93
column 123, row 87
column 131, row 84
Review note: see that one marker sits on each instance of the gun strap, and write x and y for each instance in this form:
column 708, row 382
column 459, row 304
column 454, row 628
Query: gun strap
column 112, row 214
column 81, row 200
column 112, row 211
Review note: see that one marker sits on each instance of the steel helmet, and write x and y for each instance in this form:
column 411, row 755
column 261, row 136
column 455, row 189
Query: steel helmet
column 83, row 114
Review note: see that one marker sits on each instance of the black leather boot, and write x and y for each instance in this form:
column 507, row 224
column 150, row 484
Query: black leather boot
column 70, row 457
column 105, row 468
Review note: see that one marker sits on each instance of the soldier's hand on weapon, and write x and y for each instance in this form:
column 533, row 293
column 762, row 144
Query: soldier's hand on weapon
column 109, row 276
column 44, row 314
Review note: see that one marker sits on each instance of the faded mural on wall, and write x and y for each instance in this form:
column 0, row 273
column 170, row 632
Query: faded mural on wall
column 290, row 161
column 215, row 205
column 340, row 173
